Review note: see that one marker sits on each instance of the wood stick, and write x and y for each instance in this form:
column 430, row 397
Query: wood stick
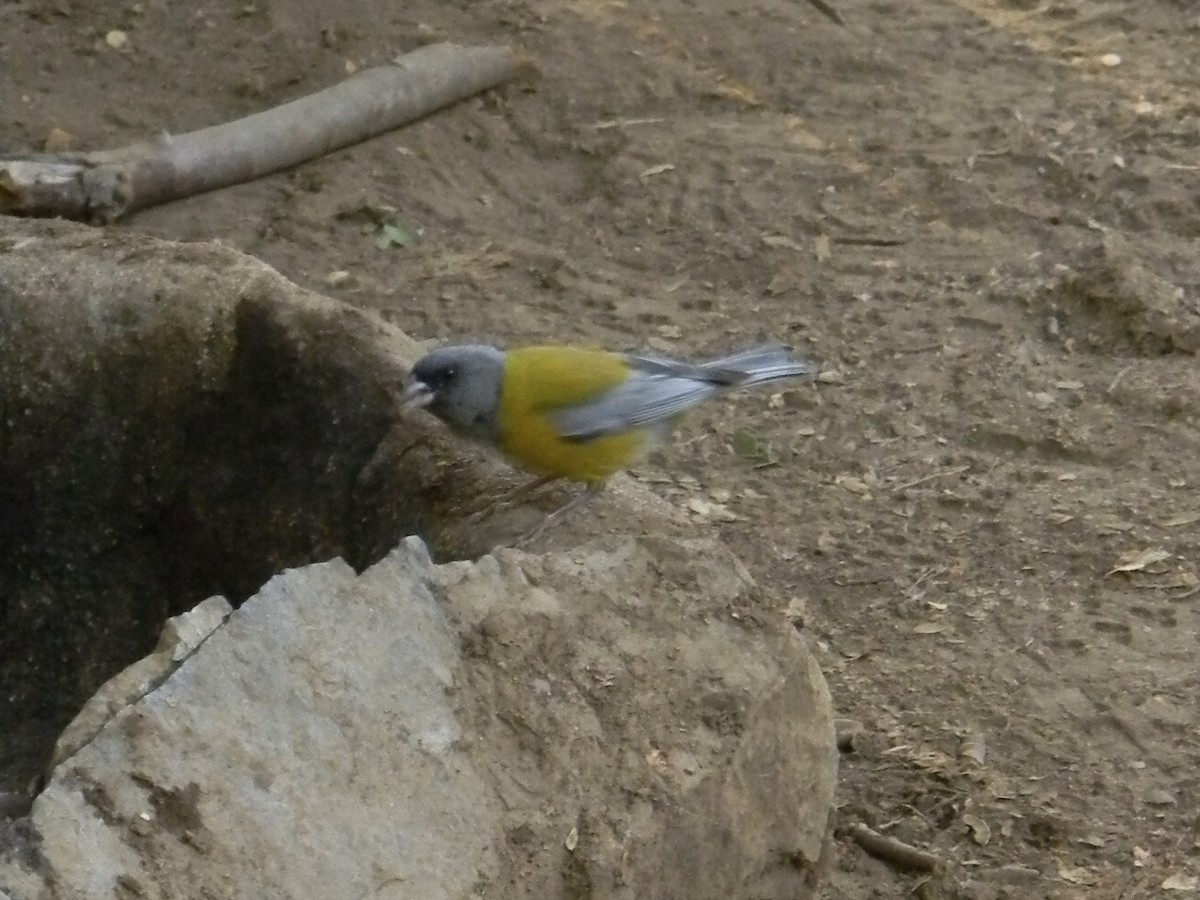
column 944, row 473
column 890, row 850
column 105, row 185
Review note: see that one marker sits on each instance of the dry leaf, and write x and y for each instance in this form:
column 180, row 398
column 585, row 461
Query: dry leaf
column 1138, row 560
column 116, row 39
column 781, row 241
column 1075, row 874
column 826, row 543
column 1181, row 519
column 572, row 840
column 933, row 761
column 1185, row 580
column 800, row 135
column 736, row 91
column 929, row 628
column 656, row 170
column 781, row 284
column 972, row 748
column 58, row 141
column 1181, row 882
column 1160, row 797
column 852, row 484
column 981, row 832
column 821, row 247
column 709, row 510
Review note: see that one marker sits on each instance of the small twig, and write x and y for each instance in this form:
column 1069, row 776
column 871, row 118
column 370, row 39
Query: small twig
column 986, row 154
column 860, row 582
column 868, row 241
column 1117, row 379
column 624, row 123
column 922, row 348
column 957, row 470
column 897, row 853
column 828, row 11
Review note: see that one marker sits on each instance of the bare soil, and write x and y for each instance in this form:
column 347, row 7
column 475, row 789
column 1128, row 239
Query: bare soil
column 980, row 216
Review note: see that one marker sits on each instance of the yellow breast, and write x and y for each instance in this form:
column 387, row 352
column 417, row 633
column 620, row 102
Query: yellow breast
column 541, row 380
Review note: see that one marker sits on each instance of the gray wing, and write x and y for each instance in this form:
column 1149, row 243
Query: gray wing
column 651, row 395
column 658, row 390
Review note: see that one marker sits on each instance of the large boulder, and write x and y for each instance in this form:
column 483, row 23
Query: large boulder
column 611, row 722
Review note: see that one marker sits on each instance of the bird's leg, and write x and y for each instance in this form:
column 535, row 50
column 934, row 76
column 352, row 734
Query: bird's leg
column 576, row 503
column 512, row 497
column 528, row 488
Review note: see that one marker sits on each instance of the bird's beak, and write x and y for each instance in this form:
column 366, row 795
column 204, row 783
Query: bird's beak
column 417, row 395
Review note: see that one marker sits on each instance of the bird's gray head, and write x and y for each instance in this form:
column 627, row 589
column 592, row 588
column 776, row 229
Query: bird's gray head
column 461, row 386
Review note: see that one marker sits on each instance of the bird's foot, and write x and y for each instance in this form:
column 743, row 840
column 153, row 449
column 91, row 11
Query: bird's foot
column 575, row 504
column 508, row 499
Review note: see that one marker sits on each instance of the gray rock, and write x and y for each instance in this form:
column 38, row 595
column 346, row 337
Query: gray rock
column 180, row 637
column 308, row 749
column 596, row 723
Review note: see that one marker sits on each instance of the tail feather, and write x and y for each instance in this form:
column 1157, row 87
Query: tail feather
column 761, row 364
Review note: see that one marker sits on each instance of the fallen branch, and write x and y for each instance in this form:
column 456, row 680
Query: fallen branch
column 890, row 850
column 105, row 185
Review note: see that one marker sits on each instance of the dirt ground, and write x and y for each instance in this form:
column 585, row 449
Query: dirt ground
column 980, row 217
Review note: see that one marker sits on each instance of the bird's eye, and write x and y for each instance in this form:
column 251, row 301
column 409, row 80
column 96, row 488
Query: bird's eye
column 450, row 374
